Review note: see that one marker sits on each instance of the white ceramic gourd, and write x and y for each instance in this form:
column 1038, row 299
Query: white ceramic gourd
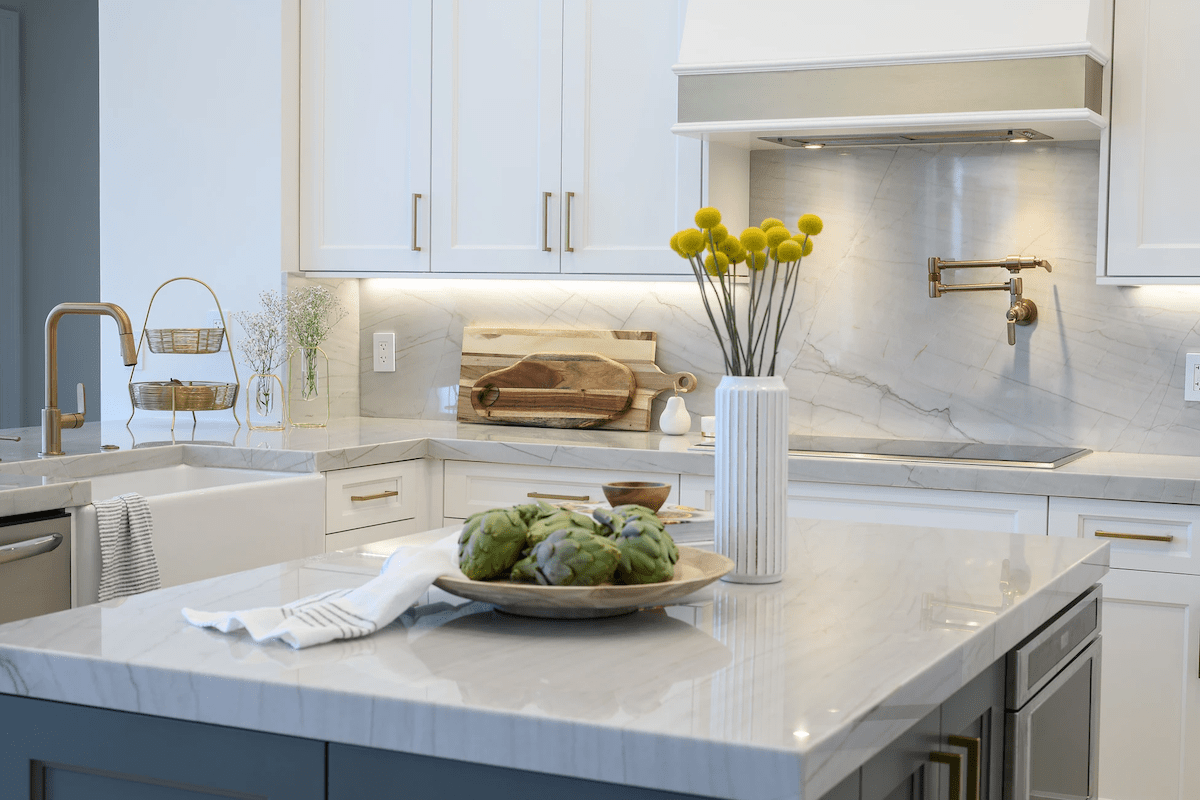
column 675, row 419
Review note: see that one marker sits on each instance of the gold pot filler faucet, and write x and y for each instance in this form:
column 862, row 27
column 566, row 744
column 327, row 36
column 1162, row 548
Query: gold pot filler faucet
column 53, row 420
column 1021, row 311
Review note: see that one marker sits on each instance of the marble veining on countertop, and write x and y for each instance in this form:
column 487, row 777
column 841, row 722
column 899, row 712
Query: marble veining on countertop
column 363, row 441
column 749, row 692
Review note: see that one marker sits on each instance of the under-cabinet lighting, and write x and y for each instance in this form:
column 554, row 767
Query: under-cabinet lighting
column 800, row 734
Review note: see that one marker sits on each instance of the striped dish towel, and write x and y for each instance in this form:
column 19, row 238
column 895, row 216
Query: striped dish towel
column 127, row 563
column 344, row 613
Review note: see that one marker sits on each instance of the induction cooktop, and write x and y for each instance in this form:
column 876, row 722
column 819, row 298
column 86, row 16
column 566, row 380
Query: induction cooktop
column 1004, row 455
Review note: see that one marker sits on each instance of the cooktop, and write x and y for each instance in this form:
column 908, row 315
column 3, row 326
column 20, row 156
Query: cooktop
column 1011, row 455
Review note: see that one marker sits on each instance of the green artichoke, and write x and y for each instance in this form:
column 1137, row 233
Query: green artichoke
column 531, row 512
column 491, row 542
column 613, row 520
column 561, row 518
column 569, row 557
column 648, row 553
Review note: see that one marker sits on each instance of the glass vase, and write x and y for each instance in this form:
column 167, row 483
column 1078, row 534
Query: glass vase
column 308, row 382
column 264, row 402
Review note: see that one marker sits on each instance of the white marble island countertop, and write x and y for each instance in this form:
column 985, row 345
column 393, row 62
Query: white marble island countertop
column 749, row 692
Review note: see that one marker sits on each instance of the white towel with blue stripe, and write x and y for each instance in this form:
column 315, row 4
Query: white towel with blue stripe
column 344, row 613
column 127, row 562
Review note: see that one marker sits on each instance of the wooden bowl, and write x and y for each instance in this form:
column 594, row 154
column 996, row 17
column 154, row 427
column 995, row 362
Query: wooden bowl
column 650, row 494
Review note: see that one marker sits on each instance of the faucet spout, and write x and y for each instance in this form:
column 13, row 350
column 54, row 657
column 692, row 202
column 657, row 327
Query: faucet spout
column 53, row 420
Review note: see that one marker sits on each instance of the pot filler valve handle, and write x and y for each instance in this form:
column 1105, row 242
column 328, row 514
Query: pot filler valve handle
column 1021, row 311
column 76, row 420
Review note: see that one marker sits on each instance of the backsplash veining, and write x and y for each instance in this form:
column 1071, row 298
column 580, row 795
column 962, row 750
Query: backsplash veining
column 869, row 353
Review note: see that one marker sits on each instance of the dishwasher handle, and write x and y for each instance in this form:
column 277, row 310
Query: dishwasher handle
column 29, row 548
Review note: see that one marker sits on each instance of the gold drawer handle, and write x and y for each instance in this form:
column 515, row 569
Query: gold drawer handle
column 1141, row 537
column 579, row 498
column 955, row 763
column 974, row 750
column 364, row 498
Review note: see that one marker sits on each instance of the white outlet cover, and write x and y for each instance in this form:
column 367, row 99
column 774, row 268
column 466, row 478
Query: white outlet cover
column 1191, row 378
column 383, row 352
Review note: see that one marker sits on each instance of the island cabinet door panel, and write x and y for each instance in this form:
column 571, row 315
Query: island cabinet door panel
column 973, row 724
column 497, row 135
column 905, row 771
column 364, row 135
column 356, row 773
column 58, row 751
column 1150, row 687
column 632, row 182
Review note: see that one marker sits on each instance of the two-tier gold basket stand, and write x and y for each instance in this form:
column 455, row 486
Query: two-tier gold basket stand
column 176, row 395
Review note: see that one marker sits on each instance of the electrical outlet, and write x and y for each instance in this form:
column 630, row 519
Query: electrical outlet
column 1191, row 378
column 384, row 352
column 214, row 318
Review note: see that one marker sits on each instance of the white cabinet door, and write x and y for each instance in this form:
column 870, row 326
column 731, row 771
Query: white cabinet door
column 1153, row 159
column 364, row 135
column 1149, row 687
column 633, row 182
column 497, row 101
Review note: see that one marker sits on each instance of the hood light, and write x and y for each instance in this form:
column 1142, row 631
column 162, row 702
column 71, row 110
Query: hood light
column 923, row 137
column 813, row 146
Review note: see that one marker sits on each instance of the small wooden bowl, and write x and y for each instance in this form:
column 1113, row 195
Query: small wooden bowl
column 650, row 494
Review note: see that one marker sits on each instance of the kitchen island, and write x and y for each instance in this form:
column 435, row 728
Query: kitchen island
column 748, row 692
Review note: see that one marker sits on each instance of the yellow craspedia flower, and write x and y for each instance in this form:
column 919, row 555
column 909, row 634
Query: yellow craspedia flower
column 773, row 253
column 756, row 261
column 729, row 246
column 754, row 239
column 804, row 242
column 675, row 243
column 707, row 218
column 789, row 250
column 777, row 234
column 719, row 232
column 716, row 265
column 740, row 255
column 810, row 224
column 770, row 222
column 691, row 242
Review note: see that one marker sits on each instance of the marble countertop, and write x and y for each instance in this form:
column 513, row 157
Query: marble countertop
column 28, row 483
column 749, row 692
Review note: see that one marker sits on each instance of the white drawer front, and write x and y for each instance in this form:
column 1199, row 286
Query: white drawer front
column 472, row 487
column 373, row 495
column 1149, row 536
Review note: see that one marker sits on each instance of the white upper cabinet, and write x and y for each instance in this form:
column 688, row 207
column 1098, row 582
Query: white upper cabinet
column 364, row 135
column 634, row 183
column 1154, row 163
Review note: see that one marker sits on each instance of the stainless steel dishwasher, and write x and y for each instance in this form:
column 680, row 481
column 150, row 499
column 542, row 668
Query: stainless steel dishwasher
column 35, row 564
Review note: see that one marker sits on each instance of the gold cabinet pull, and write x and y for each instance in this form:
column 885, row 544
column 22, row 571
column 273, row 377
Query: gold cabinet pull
column 415, row 246
column 955, row 763
column 974, row 751
column 546, row 221
column 1141, row 537
column 362, row 498
column 568, row 248
column 580, row 498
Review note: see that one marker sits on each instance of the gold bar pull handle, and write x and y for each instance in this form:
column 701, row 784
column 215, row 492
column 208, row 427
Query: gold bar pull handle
column 954, row 761
column 416, row 248
column 362, row 498
column 568, row 248
column 546, row 222
column 1140, row 537
column 974, row 751
column 579, row 498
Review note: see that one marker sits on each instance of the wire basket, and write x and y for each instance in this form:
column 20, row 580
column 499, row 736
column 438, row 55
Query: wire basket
column 176, row 395
column 185, row 340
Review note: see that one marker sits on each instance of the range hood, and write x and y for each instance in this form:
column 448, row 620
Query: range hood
column 800, row 73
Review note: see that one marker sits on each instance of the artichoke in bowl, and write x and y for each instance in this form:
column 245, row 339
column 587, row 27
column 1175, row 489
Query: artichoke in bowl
column 648, row 553
column 491, row 542
column 572, row 556
column 561, row 518
column 612, row 520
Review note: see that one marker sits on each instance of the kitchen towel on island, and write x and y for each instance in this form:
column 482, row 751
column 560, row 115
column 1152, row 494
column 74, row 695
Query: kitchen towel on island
column 127, row 562
column 344, row 613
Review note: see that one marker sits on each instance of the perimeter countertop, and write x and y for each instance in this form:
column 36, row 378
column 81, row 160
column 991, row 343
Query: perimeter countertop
column 28, row 483
column 749, row 692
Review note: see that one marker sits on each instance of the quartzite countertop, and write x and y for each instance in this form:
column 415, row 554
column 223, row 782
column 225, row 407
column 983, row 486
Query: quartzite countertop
column 752, row 692
column 362, row 441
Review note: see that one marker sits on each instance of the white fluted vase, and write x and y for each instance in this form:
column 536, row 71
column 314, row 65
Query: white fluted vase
column 750, row 504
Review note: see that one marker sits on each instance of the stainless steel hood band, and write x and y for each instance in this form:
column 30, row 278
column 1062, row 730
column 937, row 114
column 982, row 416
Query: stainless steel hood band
column 1059, row 82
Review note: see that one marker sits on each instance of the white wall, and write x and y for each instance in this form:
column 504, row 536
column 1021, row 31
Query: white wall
column 197, row 170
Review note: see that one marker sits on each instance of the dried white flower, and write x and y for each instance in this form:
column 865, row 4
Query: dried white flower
column 265, row 344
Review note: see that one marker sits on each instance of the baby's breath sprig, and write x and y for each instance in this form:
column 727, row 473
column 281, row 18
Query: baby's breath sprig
column 265, row 344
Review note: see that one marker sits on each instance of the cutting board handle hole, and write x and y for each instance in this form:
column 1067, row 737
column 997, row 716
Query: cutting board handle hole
column 488, row 395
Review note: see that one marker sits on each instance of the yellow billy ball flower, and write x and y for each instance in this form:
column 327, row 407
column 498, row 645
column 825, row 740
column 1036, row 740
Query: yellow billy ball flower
column 716, row 265
column 810, row 224
column 707, row 218
column 757, row 261
column 719, row 232
column 770, row 222
column 773, row 253
column 691, row 242
column 729, row 245
column 754, row 239
column 789, row 250
column 675, row 244
column 777, row 234
column 805, row 242
column 739, row 256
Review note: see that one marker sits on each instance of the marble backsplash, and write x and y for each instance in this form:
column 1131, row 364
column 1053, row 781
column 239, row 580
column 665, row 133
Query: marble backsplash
column 868, row 353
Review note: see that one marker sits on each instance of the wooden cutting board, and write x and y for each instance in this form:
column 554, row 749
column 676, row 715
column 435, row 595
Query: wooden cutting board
column 489, row 349
column 555, row 390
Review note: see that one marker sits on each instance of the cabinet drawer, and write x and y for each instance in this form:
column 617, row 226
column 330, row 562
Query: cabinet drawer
column 472, row 487
column 361, row 496
column 1149, row 536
